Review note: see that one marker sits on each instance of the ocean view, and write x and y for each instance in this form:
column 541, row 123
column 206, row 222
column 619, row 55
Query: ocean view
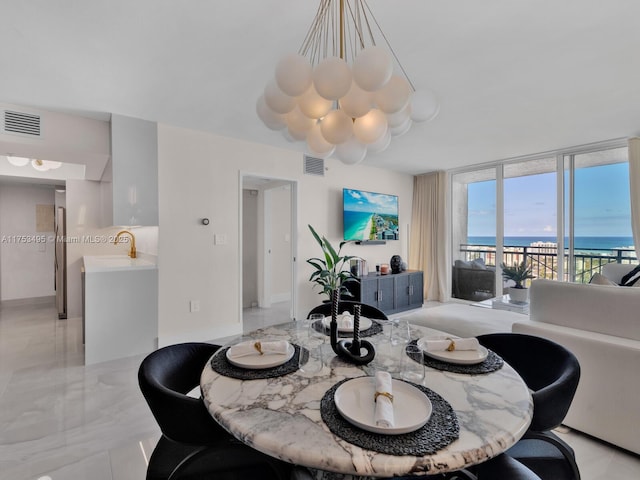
column 597, row 244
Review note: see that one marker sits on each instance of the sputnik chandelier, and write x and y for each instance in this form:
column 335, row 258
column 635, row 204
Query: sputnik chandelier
column 340, row 93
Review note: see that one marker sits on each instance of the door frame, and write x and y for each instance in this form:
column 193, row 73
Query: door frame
column 263, row 263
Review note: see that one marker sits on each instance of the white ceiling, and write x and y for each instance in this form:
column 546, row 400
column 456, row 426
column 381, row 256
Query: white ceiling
column 514, row 77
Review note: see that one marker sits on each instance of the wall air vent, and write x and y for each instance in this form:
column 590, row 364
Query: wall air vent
column 21, row 123
column 313, row 166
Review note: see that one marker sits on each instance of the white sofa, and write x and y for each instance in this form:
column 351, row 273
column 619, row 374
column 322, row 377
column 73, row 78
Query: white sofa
column 601, row 325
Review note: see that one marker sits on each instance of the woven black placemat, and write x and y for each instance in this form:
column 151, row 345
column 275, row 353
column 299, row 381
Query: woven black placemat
column 492, row 363
column 374, row 329
column 221, row 365
column 441, row 429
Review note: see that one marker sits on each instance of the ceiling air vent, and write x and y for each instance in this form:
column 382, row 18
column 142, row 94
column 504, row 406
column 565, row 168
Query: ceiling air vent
column 313, row 166
column 21, row 123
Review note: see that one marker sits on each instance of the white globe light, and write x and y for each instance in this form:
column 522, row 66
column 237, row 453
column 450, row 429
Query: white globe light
column 276, row 99
column 398, row 118
column 297, row 135
column 351, row 152
column 318, row 146
column 357, row 102
column 402, row 129
column 381, row 144
column 273, row 120
column 313, row 105
column 18, row 161
column 372, row 68
column 293, row 74
column 39, row 165
column 394, row 96
column 424, row 106
column 287, row 136
column 299, row 122
column 371, row 127
column 332, row 78
column 336, row 127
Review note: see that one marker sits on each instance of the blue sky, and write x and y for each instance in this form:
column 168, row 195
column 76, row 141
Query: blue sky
column 360, row 201
column 601, row 209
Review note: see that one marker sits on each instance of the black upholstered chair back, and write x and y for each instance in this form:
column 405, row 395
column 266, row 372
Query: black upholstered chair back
column 550, row 370
column 366, row 310
column 165, row 377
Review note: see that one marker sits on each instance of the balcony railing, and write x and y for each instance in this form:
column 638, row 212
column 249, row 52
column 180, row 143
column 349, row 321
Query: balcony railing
column 544, row 259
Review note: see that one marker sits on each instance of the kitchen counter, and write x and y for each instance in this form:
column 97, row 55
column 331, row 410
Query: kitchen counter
column 106, row 263
column 121, row 306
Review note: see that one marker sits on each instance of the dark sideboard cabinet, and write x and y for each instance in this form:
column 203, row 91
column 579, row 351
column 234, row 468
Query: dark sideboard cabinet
column 392, row 293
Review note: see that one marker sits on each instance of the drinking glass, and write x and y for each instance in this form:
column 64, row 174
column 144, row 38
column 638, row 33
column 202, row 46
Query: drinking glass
column 412, row 364
column 316, row 319
column 400, row 332
column 311, row 363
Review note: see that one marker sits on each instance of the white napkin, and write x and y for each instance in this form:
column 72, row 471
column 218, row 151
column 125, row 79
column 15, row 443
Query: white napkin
column 345, row 320
column 459, row 344
column 383, row 414
column 245, row 349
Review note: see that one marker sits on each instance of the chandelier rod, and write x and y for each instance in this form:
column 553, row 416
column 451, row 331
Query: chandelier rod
column 390, row 47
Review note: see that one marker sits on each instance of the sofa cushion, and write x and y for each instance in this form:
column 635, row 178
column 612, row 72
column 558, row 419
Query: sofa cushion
column 462, row 264
column 595, row 308
column 631, row 278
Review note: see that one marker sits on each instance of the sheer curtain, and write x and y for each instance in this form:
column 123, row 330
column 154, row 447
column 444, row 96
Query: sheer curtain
column 634, row 185
column 429, row 248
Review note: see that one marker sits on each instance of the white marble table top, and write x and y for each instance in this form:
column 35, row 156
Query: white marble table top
column 281, row 416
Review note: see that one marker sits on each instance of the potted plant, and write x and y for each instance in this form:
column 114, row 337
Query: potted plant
column 518, row 273
column 330, row 273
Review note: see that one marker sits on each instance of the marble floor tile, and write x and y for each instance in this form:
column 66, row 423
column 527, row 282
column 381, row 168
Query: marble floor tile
column 62, row 420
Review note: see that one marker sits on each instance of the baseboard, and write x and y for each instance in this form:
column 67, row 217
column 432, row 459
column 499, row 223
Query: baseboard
column 19, row 302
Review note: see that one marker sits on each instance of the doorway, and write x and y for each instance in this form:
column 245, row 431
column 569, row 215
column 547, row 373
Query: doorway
column 268, row 240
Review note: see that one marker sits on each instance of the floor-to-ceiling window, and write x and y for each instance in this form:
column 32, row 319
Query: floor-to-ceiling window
column 574, row 201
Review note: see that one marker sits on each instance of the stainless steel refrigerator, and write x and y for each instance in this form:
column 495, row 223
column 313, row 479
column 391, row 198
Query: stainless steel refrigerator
column 61, row 263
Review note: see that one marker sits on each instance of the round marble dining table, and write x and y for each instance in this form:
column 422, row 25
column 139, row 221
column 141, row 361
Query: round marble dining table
column 281, row 416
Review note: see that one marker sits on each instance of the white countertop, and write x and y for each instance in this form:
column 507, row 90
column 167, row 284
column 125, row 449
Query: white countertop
column 109, row 263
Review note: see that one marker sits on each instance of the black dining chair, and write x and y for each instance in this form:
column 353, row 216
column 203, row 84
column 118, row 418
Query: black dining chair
column 502, row 467
column 552, row 373
column 366, row 310
column 193, row 445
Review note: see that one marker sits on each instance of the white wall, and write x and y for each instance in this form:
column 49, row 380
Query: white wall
column 199, row 177
column 27, row 263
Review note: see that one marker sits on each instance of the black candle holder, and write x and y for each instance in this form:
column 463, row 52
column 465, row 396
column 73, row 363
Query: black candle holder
column 350, row 351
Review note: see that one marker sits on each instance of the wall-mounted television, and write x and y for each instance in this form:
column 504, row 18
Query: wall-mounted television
column 369, row 216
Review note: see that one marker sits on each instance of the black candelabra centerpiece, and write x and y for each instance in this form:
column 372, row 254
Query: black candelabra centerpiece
column 330, row 275
column 350, row 351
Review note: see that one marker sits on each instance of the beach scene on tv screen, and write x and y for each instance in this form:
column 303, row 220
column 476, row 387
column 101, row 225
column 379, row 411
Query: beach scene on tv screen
column 370, row 216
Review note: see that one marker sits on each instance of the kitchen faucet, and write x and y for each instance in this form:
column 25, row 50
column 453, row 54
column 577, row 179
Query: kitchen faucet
column 132, row 252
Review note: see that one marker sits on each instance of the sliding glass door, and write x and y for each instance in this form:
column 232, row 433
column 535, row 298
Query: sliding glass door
column 597, row 212
column 566, row 213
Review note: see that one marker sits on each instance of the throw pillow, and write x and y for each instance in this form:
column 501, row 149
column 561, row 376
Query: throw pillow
column 479, row 264
column 462, row 264
column 599, row 279
column 631, row 278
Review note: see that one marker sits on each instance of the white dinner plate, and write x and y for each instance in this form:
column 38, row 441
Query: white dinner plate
column 355, row 402
column 461, row 357
column 365, row 324
column 268, row 360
